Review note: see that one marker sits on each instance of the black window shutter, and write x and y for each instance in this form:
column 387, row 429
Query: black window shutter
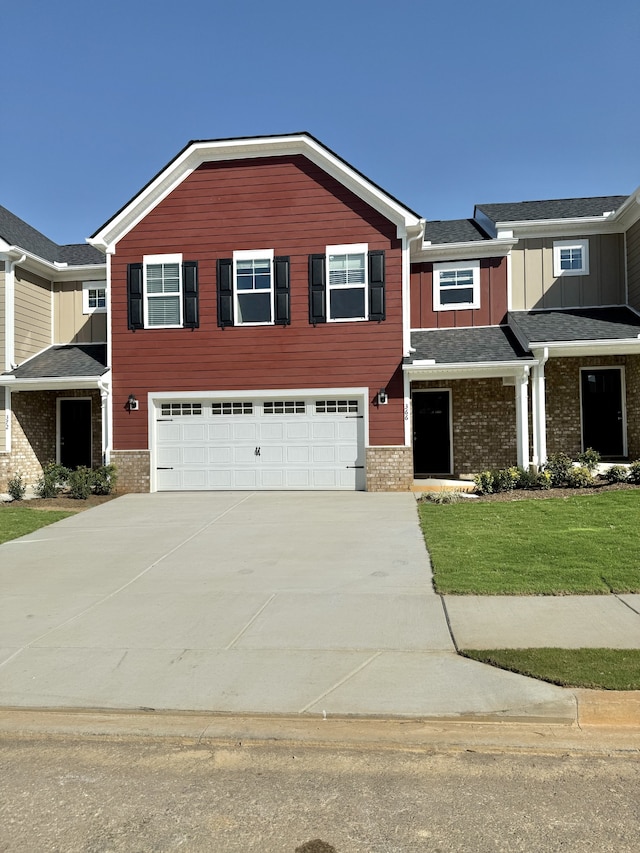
column 376, row 286
column 225, row 291
column 190, row 294
column 282, row 291
column 135, row 313
column 317, row 289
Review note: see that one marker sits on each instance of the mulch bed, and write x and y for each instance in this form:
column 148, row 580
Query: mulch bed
column 543, row 494
column 62, row 503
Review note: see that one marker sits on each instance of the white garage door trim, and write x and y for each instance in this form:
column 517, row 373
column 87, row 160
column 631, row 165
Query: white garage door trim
column 284, row 435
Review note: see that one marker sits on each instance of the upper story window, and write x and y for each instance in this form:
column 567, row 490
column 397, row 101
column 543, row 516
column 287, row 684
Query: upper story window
column 571, row 257
column 347, row 279
column 456, row 286
column 253, row 286
column 163, row 290
column 94, row 297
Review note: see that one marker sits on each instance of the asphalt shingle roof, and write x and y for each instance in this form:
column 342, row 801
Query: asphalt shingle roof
column 16, row 232
column 576, row 324
column 453, row 231
column 64, row 361
column 559, row 208
column 466, row 346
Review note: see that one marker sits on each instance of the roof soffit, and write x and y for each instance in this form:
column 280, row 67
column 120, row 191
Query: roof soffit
column 199, row 152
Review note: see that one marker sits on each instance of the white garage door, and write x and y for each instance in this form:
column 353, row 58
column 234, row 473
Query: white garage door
column 297, row 443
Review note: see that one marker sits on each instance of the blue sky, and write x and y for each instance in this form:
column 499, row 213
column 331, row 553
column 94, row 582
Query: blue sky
column 444, row 104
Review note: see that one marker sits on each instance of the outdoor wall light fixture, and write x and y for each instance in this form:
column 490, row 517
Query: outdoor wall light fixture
column 383, row 399
column 132, row 403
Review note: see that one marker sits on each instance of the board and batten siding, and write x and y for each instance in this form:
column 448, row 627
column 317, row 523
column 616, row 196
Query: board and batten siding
column 293, row 207
column 71, row 326
column 3, row 366
column 32, row 314
column 493, row 298
column 633, row 265
column 534, row 285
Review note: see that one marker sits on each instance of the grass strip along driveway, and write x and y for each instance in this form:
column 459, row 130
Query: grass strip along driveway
column 20, row 520
column 577, row 545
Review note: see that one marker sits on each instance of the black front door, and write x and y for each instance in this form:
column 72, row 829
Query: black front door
column 602, row 420
column 431, row 433
column 75, row 433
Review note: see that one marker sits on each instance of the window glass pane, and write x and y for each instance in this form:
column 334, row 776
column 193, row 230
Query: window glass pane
column 253, row 274
column 346, row 269
column 254, row 307
column 456, row 278
column 163, row 311
column 571, row 258
column 163, row 278
column 346, row 303
column 450, row 296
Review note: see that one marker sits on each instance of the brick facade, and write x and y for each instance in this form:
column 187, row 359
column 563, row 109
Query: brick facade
column 389, row 469
column 564, row 432
column 34, row 433
column 484, row 423
column 133, row 467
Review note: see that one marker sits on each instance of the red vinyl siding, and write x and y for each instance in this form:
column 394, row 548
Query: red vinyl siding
column 293, row 207
column 493, row 298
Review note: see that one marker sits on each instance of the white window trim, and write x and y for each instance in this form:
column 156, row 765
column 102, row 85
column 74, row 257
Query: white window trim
column 93, row 285
column 149, row 260
column 348, row 249
column 252, row 255
column 570, row 244
column 474, row 266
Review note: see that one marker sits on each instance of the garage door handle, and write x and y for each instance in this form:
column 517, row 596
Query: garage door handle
column 256, row 452
column 354, row 466
column 164, row 469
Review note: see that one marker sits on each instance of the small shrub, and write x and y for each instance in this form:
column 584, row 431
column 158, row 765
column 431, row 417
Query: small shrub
column 579, row 477
column 80, row 482
column 590, row 459
column 104, row 480
column 16, row 487
column 53, row 480
column 526, row 479
column 506, row 479
column 634, row 473
column 484, row 482
column 543, row 480
column 558, row 465
column 617, row 474
column 444, row 496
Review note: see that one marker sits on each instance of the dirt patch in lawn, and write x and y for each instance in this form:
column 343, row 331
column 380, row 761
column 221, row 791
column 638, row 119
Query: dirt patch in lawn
column 63, row 503
column 543, row 494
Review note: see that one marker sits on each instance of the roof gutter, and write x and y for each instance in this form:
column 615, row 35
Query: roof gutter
column 50, row 383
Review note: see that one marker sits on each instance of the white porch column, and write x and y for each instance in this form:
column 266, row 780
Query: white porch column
column 522, row 418
column 539, row 408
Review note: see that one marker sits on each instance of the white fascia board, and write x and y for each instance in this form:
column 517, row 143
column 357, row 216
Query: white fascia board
column 257, row 393
column 621, row 346
column 50, row 383
column 629, row 212
column 463, row 251
column 469, row 370
column 225, row 150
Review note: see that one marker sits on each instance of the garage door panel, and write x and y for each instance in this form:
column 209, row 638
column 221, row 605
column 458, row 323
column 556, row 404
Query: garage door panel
column 284, row 444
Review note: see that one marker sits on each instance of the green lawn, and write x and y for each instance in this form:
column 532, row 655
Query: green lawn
column 20, row 520
column 588, row 544
column 600, row 669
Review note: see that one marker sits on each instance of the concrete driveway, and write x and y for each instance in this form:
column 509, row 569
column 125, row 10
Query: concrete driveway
column 270, row 602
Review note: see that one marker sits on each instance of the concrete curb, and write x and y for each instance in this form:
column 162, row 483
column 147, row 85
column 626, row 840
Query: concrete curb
column 606, row 722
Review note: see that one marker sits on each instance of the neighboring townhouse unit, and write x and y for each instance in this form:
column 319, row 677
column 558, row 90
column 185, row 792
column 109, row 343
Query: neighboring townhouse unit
column 53, row 334
column 526, row 335
column 275, row 320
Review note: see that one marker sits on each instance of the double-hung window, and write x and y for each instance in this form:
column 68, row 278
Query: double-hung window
column 94, row 297
column 253, row 286
column 456, row 286
column 163, row 290
column 347, row 282
column 571, row 257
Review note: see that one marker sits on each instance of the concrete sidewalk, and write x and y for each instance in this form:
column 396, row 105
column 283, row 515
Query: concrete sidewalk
column 270, row 603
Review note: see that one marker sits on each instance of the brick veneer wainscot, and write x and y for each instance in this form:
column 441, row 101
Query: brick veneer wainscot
column 389, row 469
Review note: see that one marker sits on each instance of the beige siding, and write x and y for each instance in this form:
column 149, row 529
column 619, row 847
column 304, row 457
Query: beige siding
column 3, row 421
column 71, row 326
column 535, row 286
column 2, row 318
column 633, row 265
column 33, row 314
